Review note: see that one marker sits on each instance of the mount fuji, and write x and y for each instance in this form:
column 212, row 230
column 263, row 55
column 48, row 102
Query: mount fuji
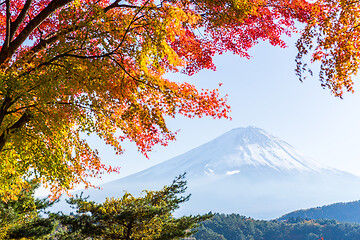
column 246, row 171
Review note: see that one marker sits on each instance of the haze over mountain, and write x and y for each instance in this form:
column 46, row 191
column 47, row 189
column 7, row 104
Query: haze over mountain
column 246, row 171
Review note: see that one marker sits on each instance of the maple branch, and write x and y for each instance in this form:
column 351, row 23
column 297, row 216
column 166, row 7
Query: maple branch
column 44, row 43
column 4, row 107
column 8, row 26
column 41, row 33
column 19, row 109
column 133, row 20
column 79, row 56
column 21, row 122
column 355, row 27
column 16, row 24
column 117, row 5
column 51, row 38
column 89, row 107
column 112, row 5
column 33, row 24
column 2, row 141
column 135, row 79
column 122, row 67
column 25, row 118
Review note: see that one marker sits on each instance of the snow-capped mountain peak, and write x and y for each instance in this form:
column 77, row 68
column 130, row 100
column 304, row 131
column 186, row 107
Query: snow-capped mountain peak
column 236, row 150
column 253, row 146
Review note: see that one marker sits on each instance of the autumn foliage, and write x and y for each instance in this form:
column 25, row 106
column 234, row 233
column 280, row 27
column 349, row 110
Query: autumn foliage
column 69, row 68
column 332, row 37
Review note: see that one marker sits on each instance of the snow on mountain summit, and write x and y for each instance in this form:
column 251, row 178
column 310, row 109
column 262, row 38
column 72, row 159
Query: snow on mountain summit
column 254, row 146
column 234, row 151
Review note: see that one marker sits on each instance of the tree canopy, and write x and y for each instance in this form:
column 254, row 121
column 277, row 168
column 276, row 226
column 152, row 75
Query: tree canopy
column 147, row 217
column 69, row 68
column 237, row 227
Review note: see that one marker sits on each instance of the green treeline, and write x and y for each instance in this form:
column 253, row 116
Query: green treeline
column 342, row 212
column 237, row 227
column 150, row 217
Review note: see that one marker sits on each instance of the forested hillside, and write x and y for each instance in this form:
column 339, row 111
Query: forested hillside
column 342, row 212
column 237, row 227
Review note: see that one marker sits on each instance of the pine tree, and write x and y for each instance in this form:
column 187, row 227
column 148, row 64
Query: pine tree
column 146, row 217
column 24, row 217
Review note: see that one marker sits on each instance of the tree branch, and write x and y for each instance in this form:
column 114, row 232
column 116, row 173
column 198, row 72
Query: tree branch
column 8, row 25
column 88, row 107
column 19, row 109
column 2, row 141
column 15, row 25
column 33, row 24
column 20, row 123
column 43, row 43
column 25, row 118
column 116, row 5
column 135, row 79
column 4, row 106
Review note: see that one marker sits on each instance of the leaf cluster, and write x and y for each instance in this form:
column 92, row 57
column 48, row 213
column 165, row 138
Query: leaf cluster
column 332, row 38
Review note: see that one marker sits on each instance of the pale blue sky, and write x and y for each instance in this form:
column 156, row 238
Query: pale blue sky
column 263, row 92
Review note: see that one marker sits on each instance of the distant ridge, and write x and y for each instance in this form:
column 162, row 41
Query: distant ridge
column 246, row 171
column 342, row 212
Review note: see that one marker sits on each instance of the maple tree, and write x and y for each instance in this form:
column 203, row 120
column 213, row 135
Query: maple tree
column 332, row 37
column 69, row 68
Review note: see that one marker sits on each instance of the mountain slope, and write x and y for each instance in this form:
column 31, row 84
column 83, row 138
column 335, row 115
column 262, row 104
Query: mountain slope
column 342, row 212
column 246, row 171
column 236, row 149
